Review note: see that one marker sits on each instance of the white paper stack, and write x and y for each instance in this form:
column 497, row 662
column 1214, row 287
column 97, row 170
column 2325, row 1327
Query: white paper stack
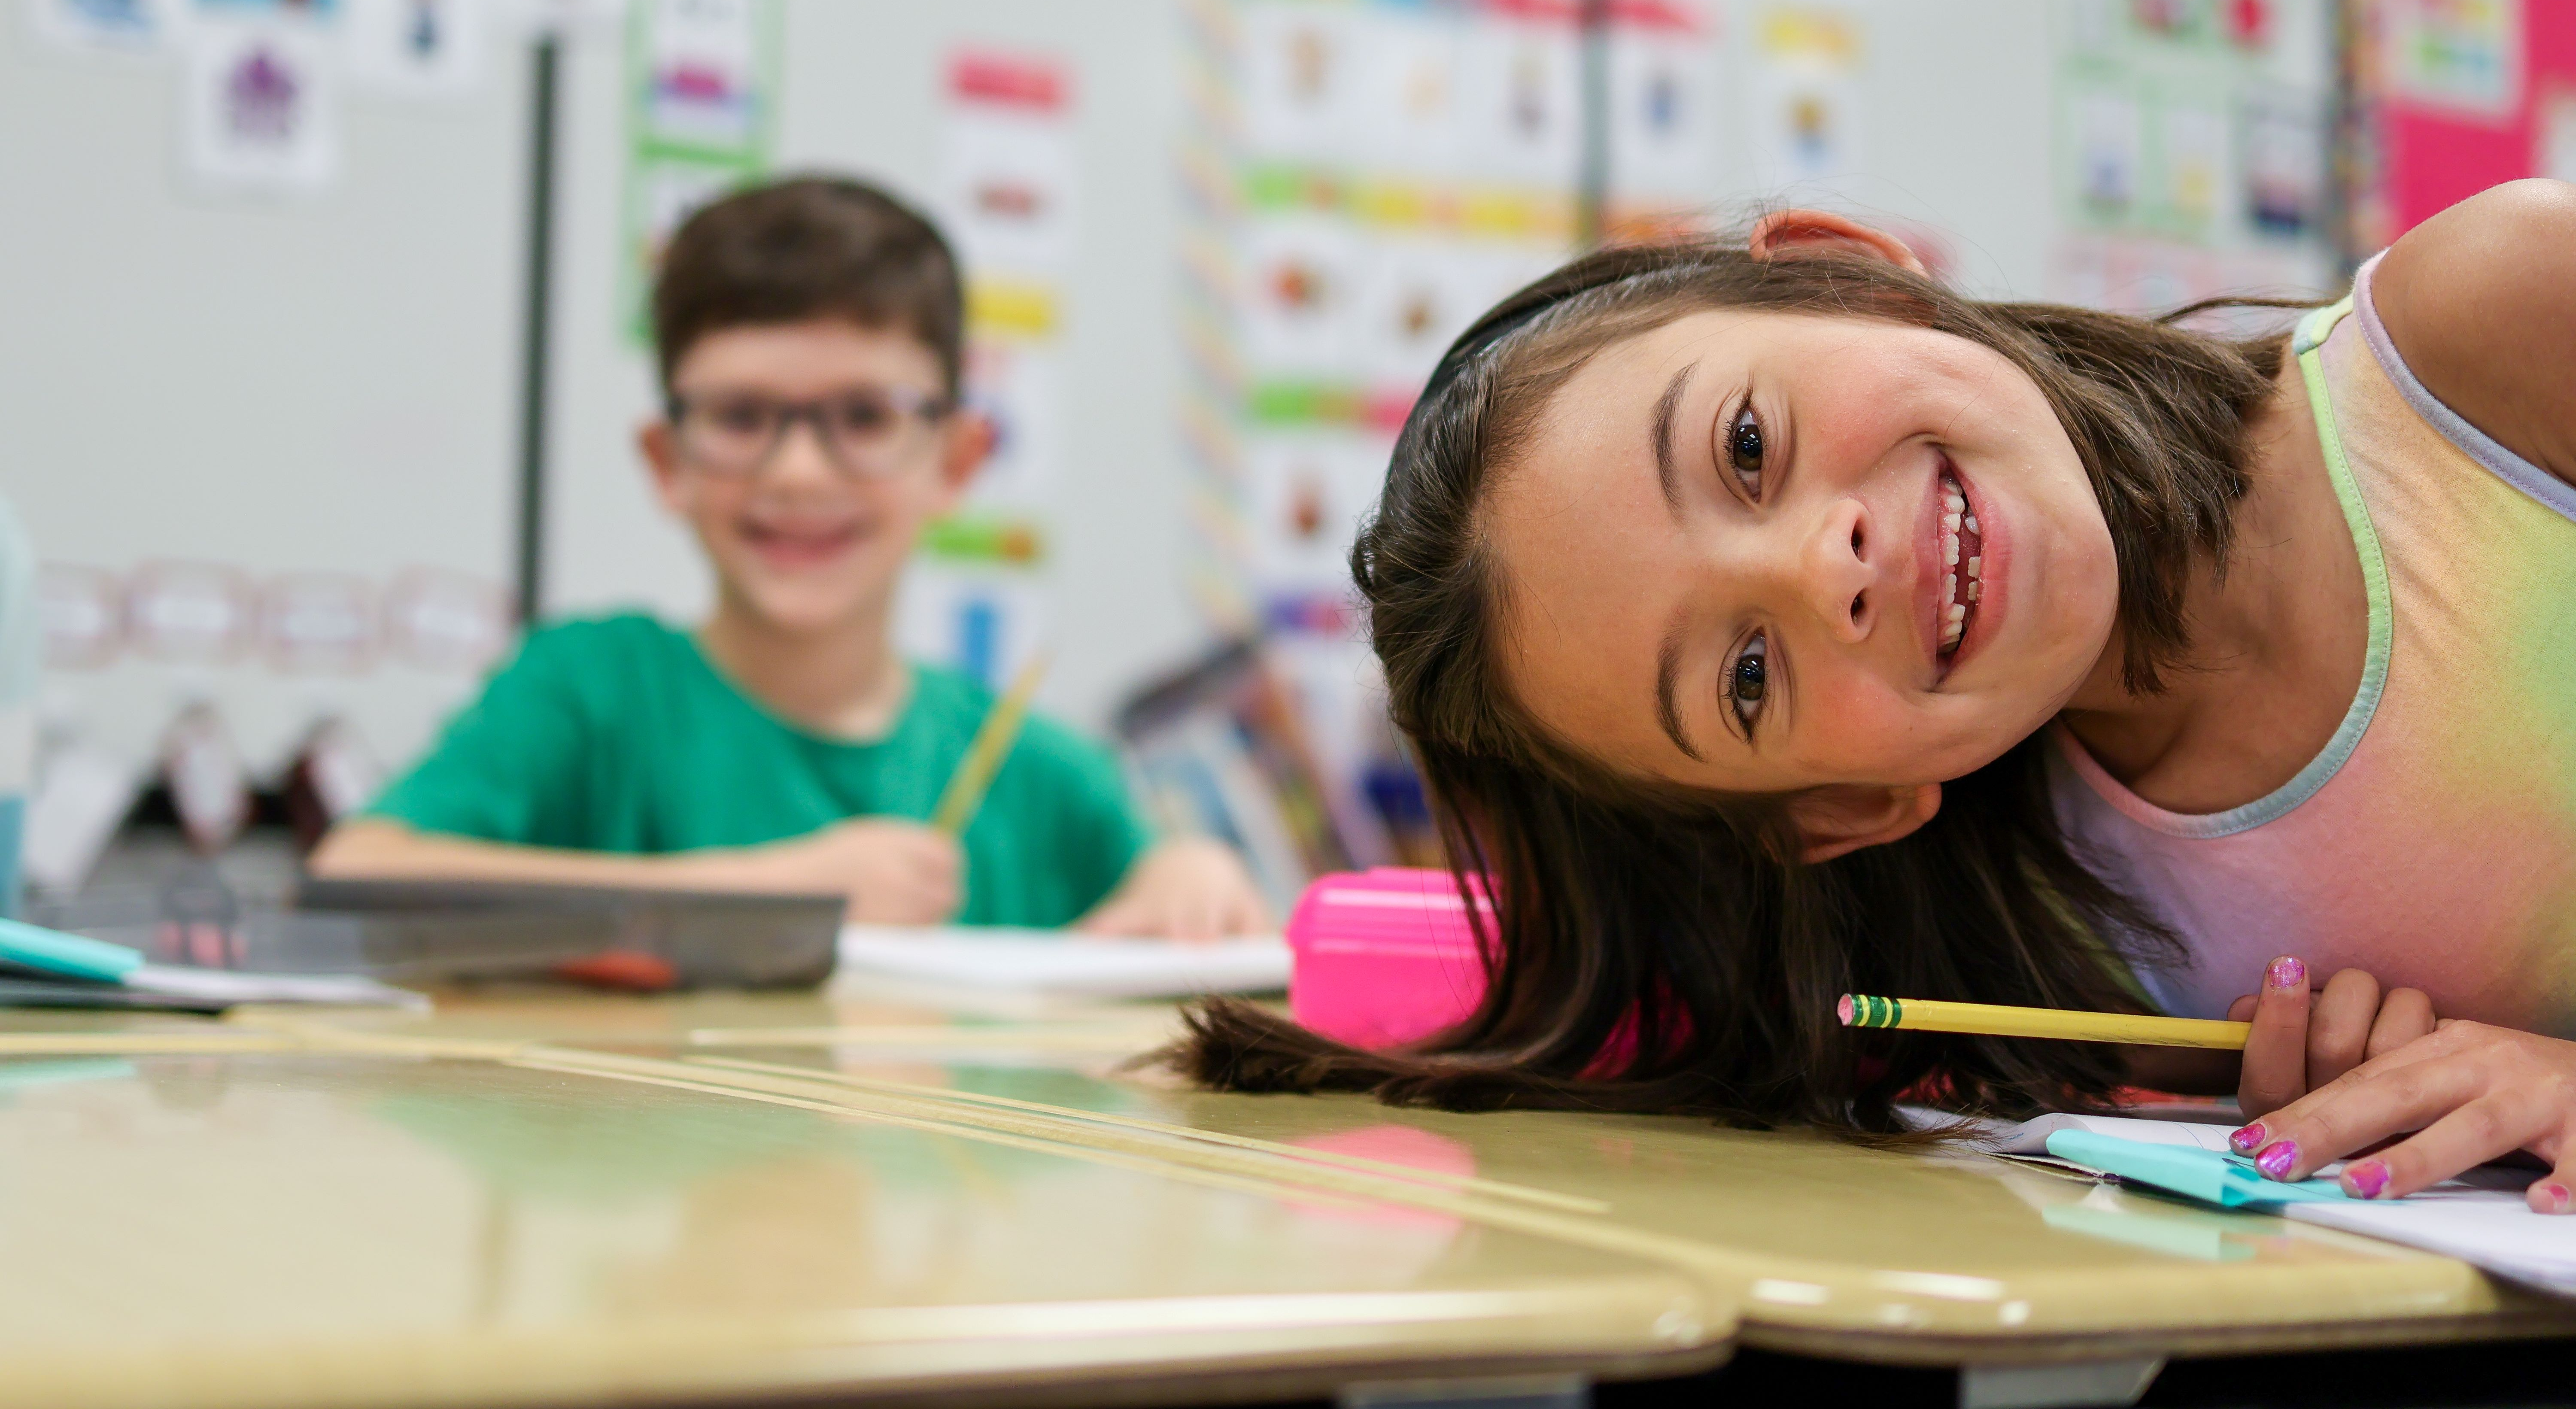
column 1052, row 961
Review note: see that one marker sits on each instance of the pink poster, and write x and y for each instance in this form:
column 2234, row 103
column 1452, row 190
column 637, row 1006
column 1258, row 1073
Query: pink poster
column 2474, row 93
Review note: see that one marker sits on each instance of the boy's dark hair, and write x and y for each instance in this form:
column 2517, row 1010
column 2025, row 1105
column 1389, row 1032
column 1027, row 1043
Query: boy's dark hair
column 1657, row 948
column 804, row 248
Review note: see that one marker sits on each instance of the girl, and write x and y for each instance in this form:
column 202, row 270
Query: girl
column 1772, row 622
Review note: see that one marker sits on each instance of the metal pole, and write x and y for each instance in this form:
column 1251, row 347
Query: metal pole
column 535, row 320
column 1592, row 178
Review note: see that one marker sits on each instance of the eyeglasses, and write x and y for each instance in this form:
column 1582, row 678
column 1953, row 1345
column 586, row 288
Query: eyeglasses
column 867, row 433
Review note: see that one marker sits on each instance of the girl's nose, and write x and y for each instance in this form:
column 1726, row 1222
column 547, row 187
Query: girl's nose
column 1841, row 571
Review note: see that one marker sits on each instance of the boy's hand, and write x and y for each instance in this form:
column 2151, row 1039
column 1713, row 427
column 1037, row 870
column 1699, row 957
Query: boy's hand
column 1185, row 888
column 2302, row 1041
column 894, row 872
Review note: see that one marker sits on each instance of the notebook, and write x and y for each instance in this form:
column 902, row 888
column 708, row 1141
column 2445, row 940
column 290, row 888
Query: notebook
column 1052, row 961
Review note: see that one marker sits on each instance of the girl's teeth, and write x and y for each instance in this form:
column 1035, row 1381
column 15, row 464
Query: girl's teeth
column 1954, row 501
column 1973, row 585
column 1976, row 565
column 1971, row 521
column 1949, row 587
column 1949, row 551
column 1958, row 613
column 1950, row 521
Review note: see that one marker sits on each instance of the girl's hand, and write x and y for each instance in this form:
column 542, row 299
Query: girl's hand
column 2471, row 1092
column 2302, row 1041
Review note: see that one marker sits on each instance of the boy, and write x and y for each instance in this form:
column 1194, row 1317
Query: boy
column 809, row 338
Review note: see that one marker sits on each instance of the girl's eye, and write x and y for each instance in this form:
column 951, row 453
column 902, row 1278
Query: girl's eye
column 1744, row 450
column 1748, row 679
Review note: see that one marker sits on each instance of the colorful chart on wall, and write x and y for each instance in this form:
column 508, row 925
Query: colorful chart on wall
column 702, row 85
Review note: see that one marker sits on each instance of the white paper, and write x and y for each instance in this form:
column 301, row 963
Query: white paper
column 1056, row 962
column 2479, row 1218
column 416, row 48
column 235, row 986
column 258, row 112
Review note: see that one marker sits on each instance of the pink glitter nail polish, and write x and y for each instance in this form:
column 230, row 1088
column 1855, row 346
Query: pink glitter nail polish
column 2247, row 1139
column 2366, row 1180
column 2276, row 1158
column 2287, row 972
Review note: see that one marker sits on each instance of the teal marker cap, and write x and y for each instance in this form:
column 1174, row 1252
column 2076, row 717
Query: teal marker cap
column 71, row 955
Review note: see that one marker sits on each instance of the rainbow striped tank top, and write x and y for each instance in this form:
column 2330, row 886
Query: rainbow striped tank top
column 2433, row 842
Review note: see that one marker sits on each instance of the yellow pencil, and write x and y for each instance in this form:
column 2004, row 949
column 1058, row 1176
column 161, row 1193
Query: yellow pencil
column 992, row 744
column 1997, row 1020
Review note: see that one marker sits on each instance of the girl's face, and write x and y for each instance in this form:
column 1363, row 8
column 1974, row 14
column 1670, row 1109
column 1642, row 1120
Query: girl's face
column 1764, row 552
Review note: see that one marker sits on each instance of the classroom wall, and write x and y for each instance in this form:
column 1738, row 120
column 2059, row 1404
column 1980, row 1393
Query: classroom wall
column 316, row 383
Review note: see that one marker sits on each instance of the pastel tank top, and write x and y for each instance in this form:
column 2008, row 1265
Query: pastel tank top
column 2433, row 842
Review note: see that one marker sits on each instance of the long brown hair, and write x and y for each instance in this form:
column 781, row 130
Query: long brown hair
column 1656, row 948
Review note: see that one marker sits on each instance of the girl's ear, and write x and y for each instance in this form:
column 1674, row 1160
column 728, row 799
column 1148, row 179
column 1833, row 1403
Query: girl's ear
column 1800, row 231
column 1842, row 818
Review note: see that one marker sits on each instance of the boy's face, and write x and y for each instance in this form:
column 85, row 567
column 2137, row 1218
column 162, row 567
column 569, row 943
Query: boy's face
column 808, row 529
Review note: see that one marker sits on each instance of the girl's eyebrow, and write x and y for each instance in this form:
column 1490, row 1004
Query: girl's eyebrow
column 1668, row 670
column 1667, row 406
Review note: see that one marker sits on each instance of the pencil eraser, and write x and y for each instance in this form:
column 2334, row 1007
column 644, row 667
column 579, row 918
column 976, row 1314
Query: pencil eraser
column 1843, row 1010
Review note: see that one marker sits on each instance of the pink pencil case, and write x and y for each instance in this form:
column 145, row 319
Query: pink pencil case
column 1383, row 956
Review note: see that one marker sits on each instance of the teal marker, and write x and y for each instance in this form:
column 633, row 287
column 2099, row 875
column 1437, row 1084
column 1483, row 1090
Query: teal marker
column 70, row 955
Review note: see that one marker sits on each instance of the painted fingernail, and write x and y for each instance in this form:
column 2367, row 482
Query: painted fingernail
column 2366, row 1180
column 2287, row 972
column 2556, row 1197
column 2247, row 1139
column 2276, row 1158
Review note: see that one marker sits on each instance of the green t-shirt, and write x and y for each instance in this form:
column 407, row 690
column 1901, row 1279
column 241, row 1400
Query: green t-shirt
column 618, row 735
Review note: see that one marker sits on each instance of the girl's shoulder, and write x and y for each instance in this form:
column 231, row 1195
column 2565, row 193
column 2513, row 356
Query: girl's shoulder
column 2481, row 302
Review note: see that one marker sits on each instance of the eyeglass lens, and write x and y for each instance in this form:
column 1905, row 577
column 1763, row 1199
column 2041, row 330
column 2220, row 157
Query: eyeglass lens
column 868, row 432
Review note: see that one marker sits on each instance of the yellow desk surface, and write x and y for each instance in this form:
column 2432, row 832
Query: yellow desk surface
column 575, row 1199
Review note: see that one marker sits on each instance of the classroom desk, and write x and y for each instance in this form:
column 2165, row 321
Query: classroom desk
column 565, row 1199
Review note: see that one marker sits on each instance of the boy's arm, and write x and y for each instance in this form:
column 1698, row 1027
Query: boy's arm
column 892, row 872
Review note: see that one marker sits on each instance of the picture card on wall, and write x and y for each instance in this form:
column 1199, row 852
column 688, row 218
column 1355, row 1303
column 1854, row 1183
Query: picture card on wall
column 1299, row 82
column 1806, row 99
column 1404, row 87
column 1663, row 129
column 1300, row 277
column 416, row 48
column 141, row 28
column 257, row 107
column 1017, row 387
column 1522, row 117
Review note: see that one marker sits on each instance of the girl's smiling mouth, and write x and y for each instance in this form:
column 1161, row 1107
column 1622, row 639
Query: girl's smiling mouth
column 1960, row 574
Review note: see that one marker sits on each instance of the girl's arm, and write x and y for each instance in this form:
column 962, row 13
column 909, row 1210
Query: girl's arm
column 2481, row 302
